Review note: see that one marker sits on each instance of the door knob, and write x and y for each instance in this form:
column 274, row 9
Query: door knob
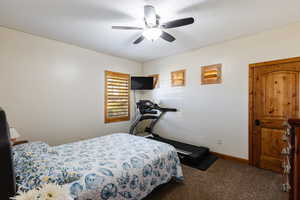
column 257, row 122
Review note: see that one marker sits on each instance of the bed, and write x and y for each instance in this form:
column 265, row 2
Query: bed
column 117, row 166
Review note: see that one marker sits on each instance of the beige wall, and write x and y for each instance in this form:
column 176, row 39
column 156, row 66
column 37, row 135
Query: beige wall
column 217, row 115
column 53, row 91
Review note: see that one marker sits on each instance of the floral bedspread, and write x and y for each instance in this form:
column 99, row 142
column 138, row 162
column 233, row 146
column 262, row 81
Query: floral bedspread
column 118, row 166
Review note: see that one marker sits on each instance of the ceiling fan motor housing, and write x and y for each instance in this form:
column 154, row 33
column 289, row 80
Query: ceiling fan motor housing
column 152, row 20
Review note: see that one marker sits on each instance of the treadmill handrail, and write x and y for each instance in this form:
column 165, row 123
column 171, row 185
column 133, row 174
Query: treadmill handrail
column 168, row 109
column 148, row 110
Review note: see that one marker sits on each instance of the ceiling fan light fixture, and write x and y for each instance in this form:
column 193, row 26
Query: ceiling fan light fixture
column 152, row 33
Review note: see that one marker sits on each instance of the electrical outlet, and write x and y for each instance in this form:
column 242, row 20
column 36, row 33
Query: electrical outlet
column 219, row 142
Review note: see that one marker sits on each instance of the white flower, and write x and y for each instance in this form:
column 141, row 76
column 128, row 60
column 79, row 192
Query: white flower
column 53, row 192
column 30, row 195
column 46, row 192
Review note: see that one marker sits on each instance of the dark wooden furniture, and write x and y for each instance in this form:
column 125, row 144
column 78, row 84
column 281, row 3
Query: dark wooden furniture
column 7, row 172
column 19, row 142
column 291, row 161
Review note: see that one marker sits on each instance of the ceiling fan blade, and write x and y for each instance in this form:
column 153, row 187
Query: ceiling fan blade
column 126, row 28
column 141, row 38
column 166, row 36
column 150, row 15
column 178, row 23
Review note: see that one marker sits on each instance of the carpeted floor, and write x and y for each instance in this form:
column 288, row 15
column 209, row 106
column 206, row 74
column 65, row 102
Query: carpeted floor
column 225, row 180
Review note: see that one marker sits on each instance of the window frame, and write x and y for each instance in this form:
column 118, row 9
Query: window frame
column 115, row 119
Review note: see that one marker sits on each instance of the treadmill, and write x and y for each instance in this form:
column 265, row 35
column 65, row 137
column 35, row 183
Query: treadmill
column 147, row 110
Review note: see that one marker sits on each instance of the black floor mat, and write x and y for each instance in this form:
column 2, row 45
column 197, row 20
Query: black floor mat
column 204, row 164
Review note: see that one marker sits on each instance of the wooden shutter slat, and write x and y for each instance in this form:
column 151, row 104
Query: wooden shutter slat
column 117, row 105
column 117, row 89
column 117, row 97
column 120, row 101
column 117, row 78
column 121, row 81
column 117, row 92
column 117, row 85
column 114, row 87
column 117, row 102
column 117, row 114
column 114, row 95
column 117, row 109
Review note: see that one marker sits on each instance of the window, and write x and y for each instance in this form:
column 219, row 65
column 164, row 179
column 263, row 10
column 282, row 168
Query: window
column 178, row 78
column 211, row 74
column 117, row 97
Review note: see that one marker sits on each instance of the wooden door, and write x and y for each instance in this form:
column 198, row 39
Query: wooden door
column 275, row 96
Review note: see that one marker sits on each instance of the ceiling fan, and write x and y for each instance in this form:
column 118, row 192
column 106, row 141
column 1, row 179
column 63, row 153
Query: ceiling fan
column 153, row 28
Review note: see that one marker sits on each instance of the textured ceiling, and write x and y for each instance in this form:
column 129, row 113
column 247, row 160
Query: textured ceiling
column 87, row 23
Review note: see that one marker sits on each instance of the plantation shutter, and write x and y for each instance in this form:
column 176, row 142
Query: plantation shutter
column 117, row 97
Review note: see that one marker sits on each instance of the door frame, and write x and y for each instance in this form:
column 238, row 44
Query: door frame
column 251, row 98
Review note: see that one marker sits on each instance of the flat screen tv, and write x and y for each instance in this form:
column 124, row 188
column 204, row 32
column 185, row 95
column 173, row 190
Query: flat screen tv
column 141, row 83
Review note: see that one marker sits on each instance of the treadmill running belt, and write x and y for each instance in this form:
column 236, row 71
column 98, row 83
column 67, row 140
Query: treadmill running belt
column 193, row 156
